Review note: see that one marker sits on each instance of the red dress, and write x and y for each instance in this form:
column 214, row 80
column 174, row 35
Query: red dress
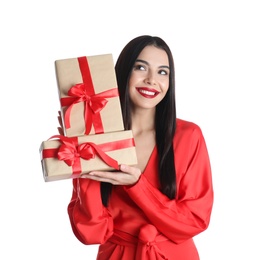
column 140, row 222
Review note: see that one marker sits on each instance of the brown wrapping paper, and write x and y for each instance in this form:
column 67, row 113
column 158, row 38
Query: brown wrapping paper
column 101, row 67
column 55, row 169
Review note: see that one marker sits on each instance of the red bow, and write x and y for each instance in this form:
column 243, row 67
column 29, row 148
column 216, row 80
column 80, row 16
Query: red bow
column 70, row 152
column 94, row 103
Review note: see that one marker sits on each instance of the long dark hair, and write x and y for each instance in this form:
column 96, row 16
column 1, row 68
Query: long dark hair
column 165, row 118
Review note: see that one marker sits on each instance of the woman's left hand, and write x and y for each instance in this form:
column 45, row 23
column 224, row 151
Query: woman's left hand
column 127, row 175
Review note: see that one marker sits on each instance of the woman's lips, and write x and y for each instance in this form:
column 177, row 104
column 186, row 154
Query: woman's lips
column 147, row 92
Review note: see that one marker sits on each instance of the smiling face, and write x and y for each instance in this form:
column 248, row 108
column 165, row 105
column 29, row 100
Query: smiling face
column 149, row 80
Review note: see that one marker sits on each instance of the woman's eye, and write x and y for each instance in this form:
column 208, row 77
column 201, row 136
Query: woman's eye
column 139, row 67
column 163, row 72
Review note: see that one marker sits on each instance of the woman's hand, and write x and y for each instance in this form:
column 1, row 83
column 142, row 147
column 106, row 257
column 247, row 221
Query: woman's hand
column 60, row 128
column 127, row 176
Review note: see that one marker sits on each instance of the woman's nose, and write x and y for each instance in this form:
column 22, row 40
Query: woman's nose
column 150, row 78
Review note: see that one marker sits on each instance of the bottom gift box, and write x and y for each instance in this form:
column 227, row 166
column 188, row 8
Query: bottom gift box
column 69, row 157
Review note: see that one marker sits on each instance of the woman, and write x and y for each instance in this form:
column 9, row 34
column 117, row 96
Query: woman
column 152, row 210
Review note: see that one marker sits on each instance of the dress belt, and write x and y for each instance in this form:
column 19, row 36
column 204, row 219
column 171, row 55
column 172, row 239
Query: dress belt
column 146, row 242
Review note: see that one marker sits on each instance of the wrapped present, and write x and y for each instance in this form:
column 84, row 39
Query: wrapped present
column 89, row 96
column 65, row 157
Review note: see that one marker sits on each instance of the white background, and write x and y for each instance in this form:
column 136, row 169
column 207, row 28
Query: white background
column 213, row 47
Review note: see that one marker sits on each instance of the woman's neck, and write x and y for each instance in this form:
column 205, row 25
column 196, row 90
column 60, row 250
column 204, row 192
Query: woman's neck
column 143, row 120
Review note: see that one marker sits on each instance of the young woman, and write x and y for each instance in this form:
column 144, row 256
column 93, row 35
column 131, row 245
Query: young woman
column 153, row 210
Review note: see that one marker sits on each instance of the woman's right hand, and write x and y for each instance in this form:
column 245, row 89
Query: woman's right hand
column 60, row 128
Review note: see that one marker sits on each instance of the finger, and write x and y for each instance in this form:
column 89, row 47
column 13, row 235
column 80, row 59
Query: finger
column 135, row 172
column 105, row 175
column 60, row 130
column 129, row 169
column 111, row 177
column 60, row 120
column 100, row 178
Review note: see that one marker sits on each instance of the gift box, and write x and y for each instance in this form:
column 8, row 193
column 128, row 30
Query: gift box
column 89, row 97
column 69, row 157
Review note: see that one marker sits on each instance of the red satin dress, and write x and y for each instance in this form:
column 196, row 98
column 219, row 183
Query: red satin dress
column 140, row 222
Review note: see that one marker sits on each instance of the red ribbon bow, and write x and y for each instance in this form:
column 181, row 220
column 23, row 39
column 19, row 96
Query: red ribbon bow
column 94, row 103
column 70, row 152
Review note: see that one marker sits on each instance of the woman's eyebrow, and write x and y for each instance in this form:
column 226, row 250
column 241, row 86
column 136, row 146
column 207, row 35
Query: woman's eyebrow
column 143, row 61
column 147, row 63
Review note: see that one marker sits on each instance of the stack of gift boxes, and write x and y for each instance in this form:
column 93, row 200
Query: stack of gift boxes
column 94, row 137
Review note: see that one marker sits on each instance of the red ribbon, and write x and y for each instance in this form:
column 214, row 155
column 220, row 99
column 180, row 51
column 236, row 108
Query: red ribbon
column 93, row 103
column 71, row 152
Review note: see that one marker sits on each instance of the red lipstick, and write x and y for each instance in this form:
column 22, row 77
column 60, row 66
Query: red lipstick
column 147, row 92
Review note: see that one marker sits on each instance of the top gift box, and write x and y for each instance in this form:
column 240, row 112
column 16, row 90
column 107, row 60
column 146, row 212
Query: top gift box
column 88, row 94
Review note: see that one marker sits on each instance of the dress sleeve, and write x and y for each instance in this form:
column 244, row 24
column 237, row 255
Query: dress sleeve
column 189, row 214
column 90, row 220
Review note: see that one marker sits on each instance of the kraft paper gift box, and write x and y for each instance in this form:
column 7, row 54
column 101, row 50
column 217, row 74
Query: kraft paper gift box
column 88, row 94
column 69, row 157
